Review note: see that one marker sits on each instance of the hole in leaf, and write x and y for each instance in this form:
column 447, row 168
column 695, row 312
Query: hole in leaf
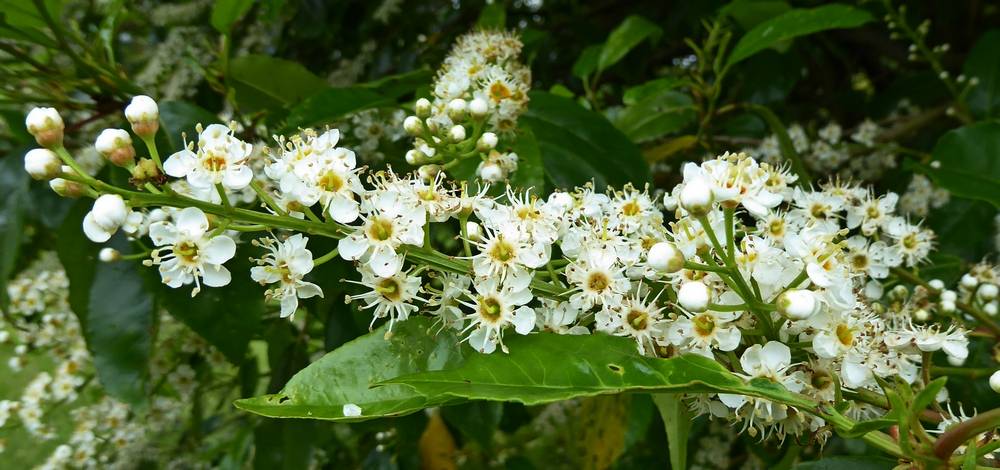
column 283, row 399
column 616, row 368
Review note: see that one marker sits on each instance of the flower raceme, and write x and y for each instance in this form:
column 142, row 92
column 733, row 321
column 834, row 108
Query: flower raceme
column 731, row 262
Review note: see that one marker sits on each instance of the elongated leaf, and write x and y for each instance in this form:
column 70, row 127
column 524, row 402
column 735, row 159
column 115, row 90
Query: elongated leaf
column 586, row 63
column 267, row 83
column 651, row 88
column 983, row 64
column 13, row 202
column 493, row 16
column 588, row 365
column 795, row 23
column 347, row 375
column 750, row 13
column 530, row 171
column 578, row 145
column 655, row 116
column 227, row 12
column 969, row 166
column 330, row 105
column 395, row 86
column 677, row 422
column 624, row 38
column 114, row 308
column 119, row 327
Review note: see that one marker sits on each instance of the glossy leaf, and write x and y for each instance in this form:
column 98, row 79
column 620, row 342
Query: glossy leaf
column 750, row 13
column 588, row 365
column 651, row 88
column 493, row 16
column 330, row 105
column 530, row 170
column 114, row 307
column 347, row 375
column 395, row 86
column 13, row 202
column 227, row 12
column 266, row 83
column 968, row 164
column 586, row 63
column 983, row 64
column 578, row 145
column 227, row 317
column 629, row 34
column 796, row 23
column 677, row 421
column 656, row 115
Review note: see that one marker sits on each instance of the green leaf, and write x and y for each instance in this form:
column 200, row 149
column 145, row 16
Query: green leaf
column 395, row 86
column 795, row 23
column 530, row 171
column 654, row 116
column 284, row 444
column 493, row 16
column 983, row 64
column 586, row 63
column 928, row 395
column 750, row 13
column 180, row 117
column 227, row 12
column 578, row 145
column 347, row 374
column 677, row 421
column 968, row 164
column 268, row 83
column 477, row 420
column 227, row 317
column 865, row 427
column 13, row 201
column 331, row 105
column 119, row 327
column 624, row 38
column 865, row 462
column 114, row 308
column 589, row 365
column 650, row 89
column 784, row 142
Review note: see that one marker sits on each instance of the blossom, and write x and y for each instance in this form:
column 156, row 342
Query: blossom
column 285, row 264
column 390, row 296
column 220, row 158
column 496, row 305
column 189, row 253
column 316, row 170
column 389, row 225
column 105, row 218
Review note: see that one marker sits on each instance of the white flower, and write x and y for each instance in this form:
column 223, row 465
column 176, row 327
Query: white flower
column 638, row 318
column 42, row 164
column 188, row 253
column 286, row 264
column 143, row 113
column 508, row 251
column 104, row 219
column 389, row 225
column 703, row 332
column 219, row 159
column 694, row 296
column 390, row 296
column 911, row 242
column 597, row 279
column 770, row 361
column 316, row 170
column 497, row 304
column 559, row 317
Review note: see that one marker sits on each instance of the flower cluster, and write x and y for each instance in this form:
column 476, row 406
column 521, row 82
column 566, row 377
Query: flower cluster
column 480, row 91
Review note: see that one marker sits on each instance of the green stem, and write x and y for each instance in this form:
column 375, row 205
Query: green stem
column 266, row 198
column 327, row 257
column 153, row 152
column 978, row 314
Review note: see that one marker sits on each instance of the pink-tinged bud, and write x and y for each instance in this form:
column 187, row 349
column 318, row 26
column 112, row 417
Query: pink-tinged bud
column 42, row 164
column 47, row 126
column 144, row 115
column 116, row 146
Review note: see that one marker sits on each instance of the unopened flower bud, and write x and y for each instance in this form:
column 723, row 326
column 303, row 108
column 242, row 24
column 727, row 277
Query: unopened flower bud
column 665, row 257
column 66, row 188
column 694, row 296
column 109, row 255
column 990, row 309
column 491, row 172
column 995, row 381
column 42, row 164
column 948, row 306
column 456, row 133
column 954, row 361
column 144, row 115
column 921, row 315
column 988, row 291
column 46, row 125
column 486, row 142
column 415, row 157
column 478, row 107
column 936, row 284
column 696, row 197
column 422, row 108
column 116, row 146
column 473, row 231
column 797, row 304
column 104, row 219
column 413, row 126
column 969, row 281
column 429, row 172
column 145, row 170
column 457, row 108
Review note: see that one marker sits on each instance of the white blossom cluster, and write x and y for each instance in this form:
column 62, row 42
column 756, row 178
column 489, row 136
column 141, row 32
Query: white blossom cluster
column 480, row 91
column 857, row 156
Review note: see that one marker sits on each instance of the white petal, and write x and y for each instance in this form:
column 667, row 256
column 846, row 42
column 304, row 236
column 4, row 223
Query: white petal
column 306, row 290
column 163, row 233
column 343, row 209
column 289, row 304
column 524, row 320
column 94, row 232
column 192, row 222
column 237, row 179
column 385, row 262
column 352, row 247
column 218, row 250
column 215, row 275
column 179, row 164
